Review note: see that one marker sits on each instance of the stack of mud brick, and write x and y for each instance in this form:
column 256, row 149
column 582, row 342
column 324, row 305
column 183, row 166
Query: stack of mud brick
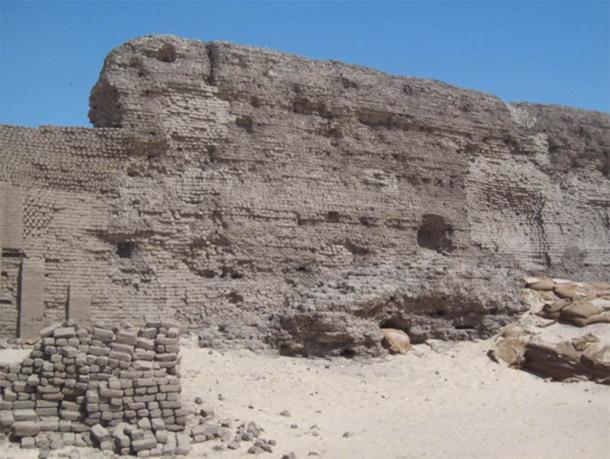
column 117, row 389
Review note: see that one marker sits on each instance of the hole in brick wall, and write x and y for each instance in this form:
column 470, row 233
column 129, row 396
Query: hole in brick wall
column 124, row 249
column 435, row 233
column 167, row 53
column 245, row 122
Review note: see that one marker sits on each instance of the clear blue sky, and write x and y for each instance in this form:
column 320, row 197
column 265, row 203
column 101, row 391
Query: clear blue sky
column 555, row 52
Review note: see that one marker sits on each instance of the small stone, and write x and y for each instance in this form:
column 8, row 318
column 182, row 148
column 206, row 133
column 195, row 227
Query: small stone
column 198, row 400
column 233, row 445
column 285, row 413
column 347, row 434
column 294, row 426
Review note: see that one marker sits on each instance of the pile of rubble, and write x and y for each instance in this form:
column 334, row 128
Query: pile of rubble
column 565, row 334
column 117, row 389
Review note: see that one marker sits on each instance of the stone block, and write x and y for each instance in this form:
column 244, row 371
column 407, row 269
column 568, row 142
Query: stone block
column 25, row 415
column 100, row 433
column 103, row 335
column 26, row 428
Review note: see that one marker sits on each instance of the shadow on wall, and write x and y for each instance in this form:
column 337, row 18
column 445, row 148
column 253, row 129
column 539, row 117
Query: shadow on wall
column 435, row 233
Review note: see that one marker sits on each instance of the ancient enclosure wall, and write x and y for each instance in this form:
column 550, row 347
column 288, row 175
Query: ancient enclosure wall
column 281, row 201
column 116, row 389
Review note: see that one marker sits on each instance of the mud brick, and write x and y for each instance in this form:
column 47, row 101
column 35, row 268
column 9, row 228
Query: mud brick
column 148, row 332
column 119, row 347
column 129, row 337
column 153, row 405
column 92, row 407
column 170, row 388
column 144, row 423
column 70, row 392
column 103, row 335
column 53, row 396
column 143, row 364
column 144, row 382
column 116, row 402
column 64, row 332
column 120, row 436
column 24, row 405
column 42, row 441
column 183, row 444
column 67, row 405
column 120, row 356
column 170, row 404
column 69, row 438
column 130, row 414
column 70, row 383
column 5, row 406
column 137, row 434
column 128, row 374
column 114, row 383
column 25, row 415
column 107, row 445
column 136, row 405
column 79, row 427
column 92, row 396
column 163, row 340
column 125, row 383
column 49, row 331
column 46, row 411
column 157, row 424
column 147, row 442
column 28, row 443
column 144, row 398
column 9, row 395
column 19, row 386
column 110, row 393
column 82, row 333
column 145, row 344
column 74, row 342
column 98, row 351
column 69, row 415
column 48, row 367
column 65, row 425
column 144, row 355
column 167, row 357
column 49, row 424
column 172, row 348
column 99, row 433
column 26, row 428
column 173, row 332
column 46, row 342
column 143, row 413
column 156, row 413
column 152, row 390
column 162, row 436
column 61, row 342
column 55, row 358
column 6, row 419
column 128, row 392
column 167, row 365
column 181, row 420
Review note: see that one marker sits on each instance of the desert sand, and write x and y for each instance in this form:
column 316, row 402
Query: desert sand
column 441, row 400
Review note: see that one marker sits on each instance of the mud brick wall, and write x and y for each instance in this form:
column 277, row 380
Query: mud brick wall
column 117, row 389
column 278, row 201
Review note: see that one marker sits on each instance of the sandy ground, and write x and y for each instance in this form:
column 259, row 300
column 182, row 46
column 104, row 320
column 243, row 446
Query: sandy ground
column 446, row 402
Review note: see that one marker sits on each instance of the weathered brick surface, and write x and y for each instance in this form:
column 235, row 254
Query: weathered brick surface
column 301, row 203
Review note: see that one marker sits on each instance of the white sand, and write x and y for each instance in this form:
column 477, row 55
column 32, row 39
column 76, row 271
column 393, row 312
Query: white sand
column 452, row 403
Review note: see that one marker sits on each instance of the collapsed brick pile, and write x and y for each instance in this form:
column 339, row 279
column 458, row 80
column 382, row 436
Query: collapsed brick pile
column 116, row 389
